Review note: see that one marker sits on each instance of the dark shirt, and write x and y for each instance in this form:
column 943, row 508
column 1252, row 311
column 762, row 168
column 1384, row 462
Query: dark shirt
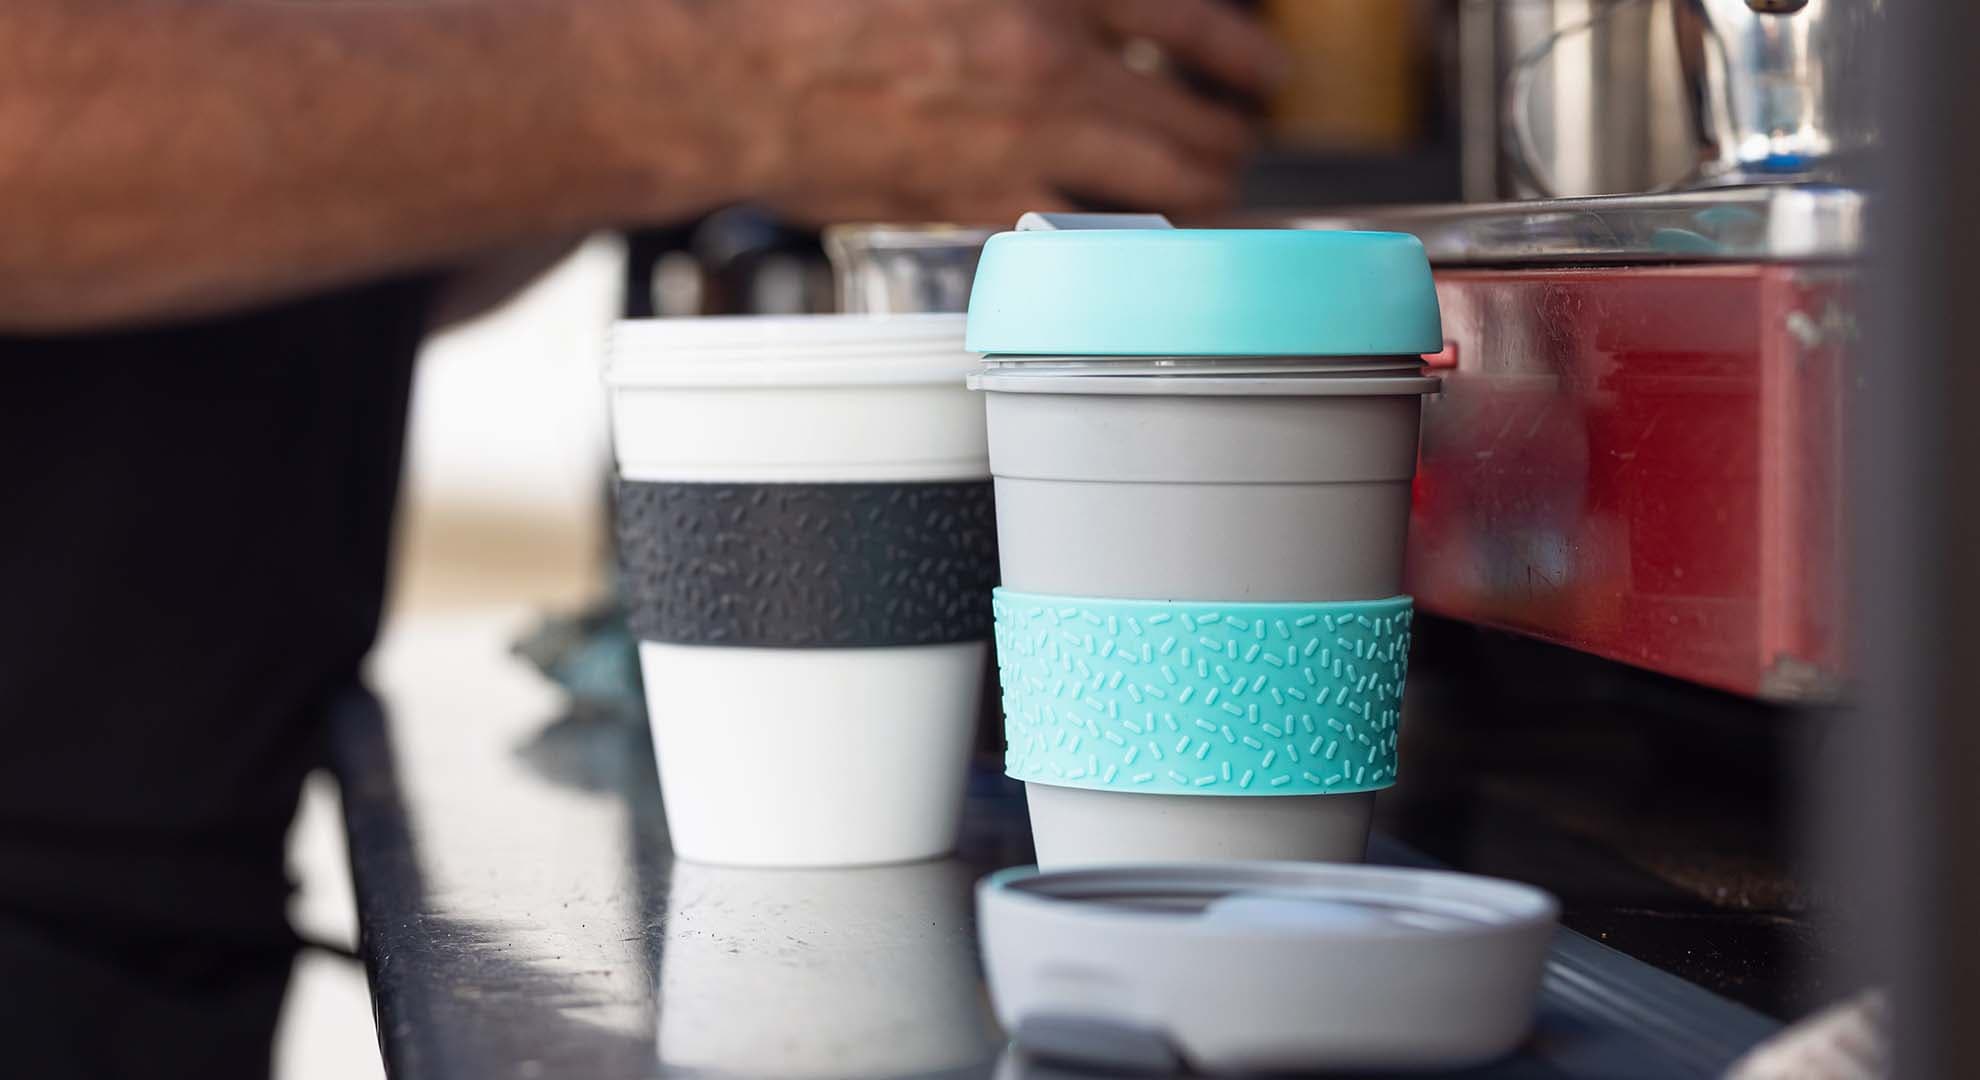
column 194, row 529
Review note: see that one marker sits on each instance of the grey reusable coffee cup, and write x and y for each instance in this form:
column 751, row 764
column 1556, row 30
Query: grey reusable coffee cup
column 1202, row 443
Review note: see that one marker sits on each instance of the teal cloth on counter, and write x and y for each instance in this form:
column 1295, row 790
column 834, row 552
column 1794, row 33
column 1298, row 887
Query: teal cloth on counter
column 1204, row 292
column 1202, row 698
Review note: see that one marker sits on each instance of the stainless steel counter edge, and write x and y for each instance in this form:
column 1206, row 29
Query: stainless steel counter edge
column 1783, row 223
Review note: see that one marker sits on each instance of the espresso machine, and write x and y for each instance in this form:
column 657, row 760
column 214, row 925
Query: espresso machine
column 1631, row 507
column 1638, row 454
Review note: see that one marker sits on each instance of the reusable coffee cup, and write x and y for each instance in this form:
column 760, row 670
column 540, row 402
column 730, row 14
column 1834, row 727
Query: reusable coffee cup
column 1203, row 443
column 821, row 973
column 806, row 530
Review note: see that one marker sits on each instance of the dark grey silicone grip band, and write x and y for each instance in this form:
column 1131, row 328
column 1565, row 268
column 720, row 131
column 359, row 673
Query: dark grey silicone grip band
column 808, row 565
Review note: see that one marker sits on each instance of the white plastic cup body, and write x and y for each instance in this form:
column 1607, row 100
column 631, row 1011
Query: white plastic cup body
column 812, row 757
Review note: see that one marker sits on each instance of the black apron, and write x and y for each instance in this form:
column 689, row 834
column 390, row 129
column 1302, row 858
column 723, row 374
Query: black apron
column 194, row 528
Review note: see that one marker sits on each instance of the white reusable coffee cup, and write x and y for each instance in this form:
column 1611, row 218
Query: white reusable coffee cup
column 805, row 525
column 1203, row 444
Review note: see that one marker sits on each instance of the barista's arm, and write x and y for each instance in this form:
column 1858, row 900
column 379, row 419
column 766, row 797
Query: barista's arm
column 167, row 158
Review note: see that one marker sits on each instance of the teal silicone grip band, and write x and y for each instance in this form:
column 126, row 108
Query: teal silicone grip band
column 1193, row 698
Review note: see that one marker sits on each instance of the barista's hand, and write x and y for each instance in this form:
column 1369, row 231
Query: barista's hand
column 343, row 142
column 977, row 110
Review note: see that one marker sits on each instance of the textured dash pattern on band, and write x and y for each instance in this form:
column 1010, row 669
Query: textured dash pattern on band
column 808, row 565
column 1202, row 698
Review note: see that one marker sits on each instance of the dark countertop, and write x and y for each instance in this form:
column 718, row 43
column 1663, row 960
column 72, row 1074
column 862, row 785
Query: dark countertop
column 522, row 916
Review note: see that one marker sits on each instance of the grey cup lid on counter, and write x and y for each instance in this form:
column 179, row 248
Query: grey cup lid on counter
column 1259, row 966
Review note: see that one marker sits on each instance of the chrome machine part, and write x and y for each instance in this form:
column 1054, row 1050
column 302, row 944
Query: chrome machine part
column 1779, row 89
column 1569, row 98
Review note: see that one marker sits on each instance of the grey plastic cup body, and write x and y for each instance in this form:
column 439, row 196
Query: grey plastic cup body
column 1201, row 497
column 1262, row 488
column 1073, row 826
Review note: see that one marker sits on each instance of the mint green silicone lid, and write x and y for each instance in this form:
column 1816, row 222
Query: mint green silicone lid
column 1204, row 292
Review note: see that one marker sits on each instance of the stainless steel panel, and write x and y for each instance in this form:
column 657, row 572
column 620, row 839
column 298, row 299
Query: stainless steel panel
column 1769, row 223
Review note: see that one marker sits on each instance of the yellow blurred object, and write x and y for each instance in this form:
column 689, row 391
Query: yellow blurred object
column 1357, row 73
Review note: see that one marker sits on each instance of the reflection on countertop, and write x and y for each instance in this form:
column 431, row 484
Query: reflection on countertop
column 523, row 916
column 803, row 973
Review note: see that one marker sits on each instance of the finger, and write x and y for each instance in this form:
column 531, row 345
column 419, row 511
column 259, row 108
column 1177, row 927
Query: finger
column 1223, row 43
column 968, row 170
column 1130, row 169
column 966, row 150
column 1163, row 108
